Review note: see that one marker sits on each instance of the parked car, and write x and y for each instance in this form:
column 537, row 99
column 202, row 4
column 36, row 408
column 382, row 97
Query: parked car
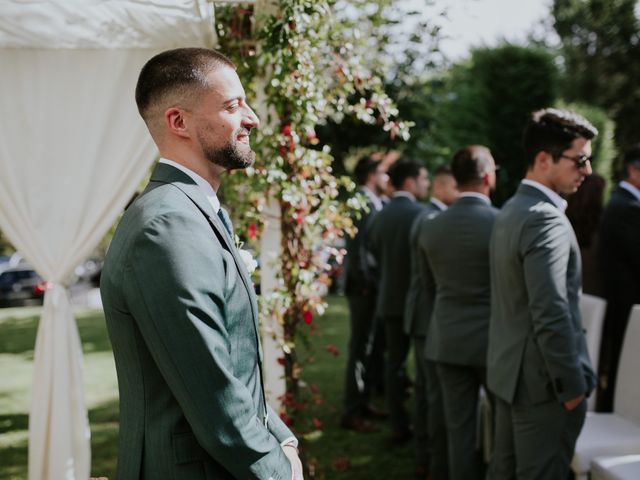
column 21, row 285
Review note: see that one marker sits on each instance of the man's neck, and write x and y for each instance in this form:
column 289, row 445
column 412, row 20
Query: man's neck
column 404, row 193
column 481, row 189
column 208, row 171
column 371, row 186
column 535, row 177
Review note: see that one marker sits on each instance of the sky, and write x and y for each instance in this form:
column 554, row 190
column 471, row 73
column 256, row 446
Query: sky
column 474, row 23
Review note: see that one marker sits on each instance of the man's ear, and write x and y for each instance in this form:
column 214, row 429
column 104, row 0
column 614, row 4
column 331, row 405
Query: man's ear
column 542, row 160
column 409, row 185
column 176, row 122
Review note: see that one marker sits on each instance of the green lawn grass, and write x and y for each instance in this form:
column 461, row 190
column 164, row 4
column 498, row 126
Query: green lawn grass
column 331, row 454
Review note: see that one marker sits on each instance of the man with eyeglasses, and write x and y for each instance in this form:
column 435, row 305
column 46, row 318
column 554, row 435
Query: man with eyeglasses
column 538, row 364
column 620, row 264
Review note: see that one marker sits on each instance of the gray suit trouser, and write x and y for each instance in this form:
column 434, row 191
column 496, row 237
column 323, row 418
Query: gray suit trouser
column 461, row 389
column 398, row 344
column 356, row 390
column 535, row 442
column 428, row 425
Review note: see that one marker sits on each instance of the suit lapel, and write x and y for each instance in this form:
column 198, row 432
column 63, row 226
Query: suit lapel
column 164, row 173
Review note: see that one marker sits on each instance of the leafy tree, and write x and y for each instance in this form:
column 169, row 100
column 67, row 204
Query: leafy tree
column 601, row 51
column 404, row 47
column 310, row 66
column 490, row 97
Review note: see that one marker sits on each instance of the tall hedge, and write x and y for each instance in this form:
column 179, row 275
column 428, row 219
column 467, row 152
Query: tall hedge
column 489, row 99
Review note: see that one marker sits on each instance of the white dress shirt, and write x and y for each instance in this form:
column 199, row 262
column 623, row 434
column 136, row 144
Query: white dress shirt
column 206, row 187
column 479, row 195
column 557, row 200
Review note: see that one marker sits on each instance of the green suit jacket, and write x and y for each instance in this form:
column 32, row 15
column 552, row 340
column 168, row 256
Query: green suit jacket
column 388, row 241
column 537, row 347
column 183, row 321
column 455, row 267
column 417, row 309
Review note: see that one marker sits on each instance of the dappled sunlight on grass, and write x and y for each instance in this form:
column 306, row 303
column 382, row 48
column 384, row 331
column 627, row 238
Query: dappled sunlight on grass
column 329, row 452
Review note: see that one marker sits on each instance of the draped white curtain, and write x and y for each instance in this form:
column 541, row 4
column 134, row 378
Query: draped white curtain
column 72, row 152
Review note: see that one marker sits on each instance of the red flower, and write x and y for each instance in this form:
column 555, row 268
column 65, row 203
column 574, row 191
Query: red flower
column 286, row 130
column 307, row 316
column 288, row 421
column 252, row 231
column 317, row 423
column 332, row 349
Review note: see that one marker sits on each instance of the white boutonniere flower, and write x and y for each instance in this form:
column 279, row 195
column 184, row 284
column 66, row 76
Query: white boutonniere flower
column 248, row 260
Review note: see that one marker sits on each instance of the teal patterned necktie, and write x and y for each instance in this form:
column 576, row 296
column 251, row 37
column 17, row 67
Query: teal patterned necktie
column 226, row 221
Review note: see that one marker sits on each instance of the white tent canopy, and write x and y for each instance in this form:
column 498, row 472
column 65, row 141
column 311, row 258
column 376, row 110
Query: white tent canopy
column 72, row 152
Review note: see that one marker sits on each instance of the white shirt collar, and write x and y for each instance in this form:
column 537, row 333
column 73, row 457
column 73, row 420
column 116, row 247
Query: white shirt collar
column 206, row 187
column 630, row 188
column 557, row 200
column 404, row 193
column 479, row 195
column 439, row 204
column 373, row 198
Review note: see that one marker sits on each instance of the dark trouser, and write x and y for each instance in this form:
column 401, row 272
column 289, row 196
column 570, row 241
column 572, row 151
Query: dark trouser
column 461, row 389
column 377, row 362
column 421, row 404
column 398, row 344
column 613, row 330
column 439, row 467
column 428, row 425
column 535, row 442
column 356, row 388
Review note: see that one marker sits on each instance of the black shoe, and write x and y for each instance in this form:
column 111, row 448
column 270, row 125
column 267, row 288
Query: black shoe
column 358, row 424
column 399, row 438
column 374, row 413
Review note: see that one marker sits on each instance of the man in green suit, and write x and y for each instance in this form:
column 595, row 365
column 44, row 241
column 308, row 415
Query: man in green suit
column 179, row 303
column 454, row 263
column 428, row 418
column 388, row 241
column 538, row 365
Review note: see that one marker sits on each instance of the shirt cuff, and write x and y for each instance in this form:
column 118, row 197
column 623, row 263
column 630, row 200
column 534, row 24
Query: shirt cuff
column 293, row 441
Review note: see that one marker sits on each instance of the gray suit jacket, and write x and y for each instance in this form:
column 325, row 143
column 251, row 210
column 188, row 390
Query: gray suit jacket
column 537, row 348
column 416, row 311
column 388, row 240
column 183, row 322
column 455, row 269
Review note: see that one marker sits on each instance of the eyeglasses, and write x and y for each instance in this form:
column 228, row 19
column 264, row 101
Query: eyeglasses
column 580, row 161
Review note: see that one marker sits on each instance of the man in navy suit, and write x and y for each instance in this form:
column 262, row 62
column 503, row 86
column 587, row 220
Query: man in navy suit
column 361, row 289
column 620, row 263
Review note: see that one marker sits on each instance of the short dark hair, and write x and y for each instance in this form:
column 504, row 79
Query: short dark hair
column 365, row 167
column 553, row 130
column 400, row 171
column 631, row 157
column 442, row 170
column 470, row 164
column 182, row 70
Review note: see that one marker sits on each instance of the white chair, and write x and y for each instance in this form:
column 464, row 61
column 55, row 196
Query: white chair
column 618, row 433
column 592, row 310
column 626, row 467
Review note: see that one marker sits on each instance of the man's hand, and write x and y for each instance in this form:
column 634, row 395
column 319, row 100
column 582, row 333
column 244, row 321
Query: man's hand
column 573, row 403
column 296, row 465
